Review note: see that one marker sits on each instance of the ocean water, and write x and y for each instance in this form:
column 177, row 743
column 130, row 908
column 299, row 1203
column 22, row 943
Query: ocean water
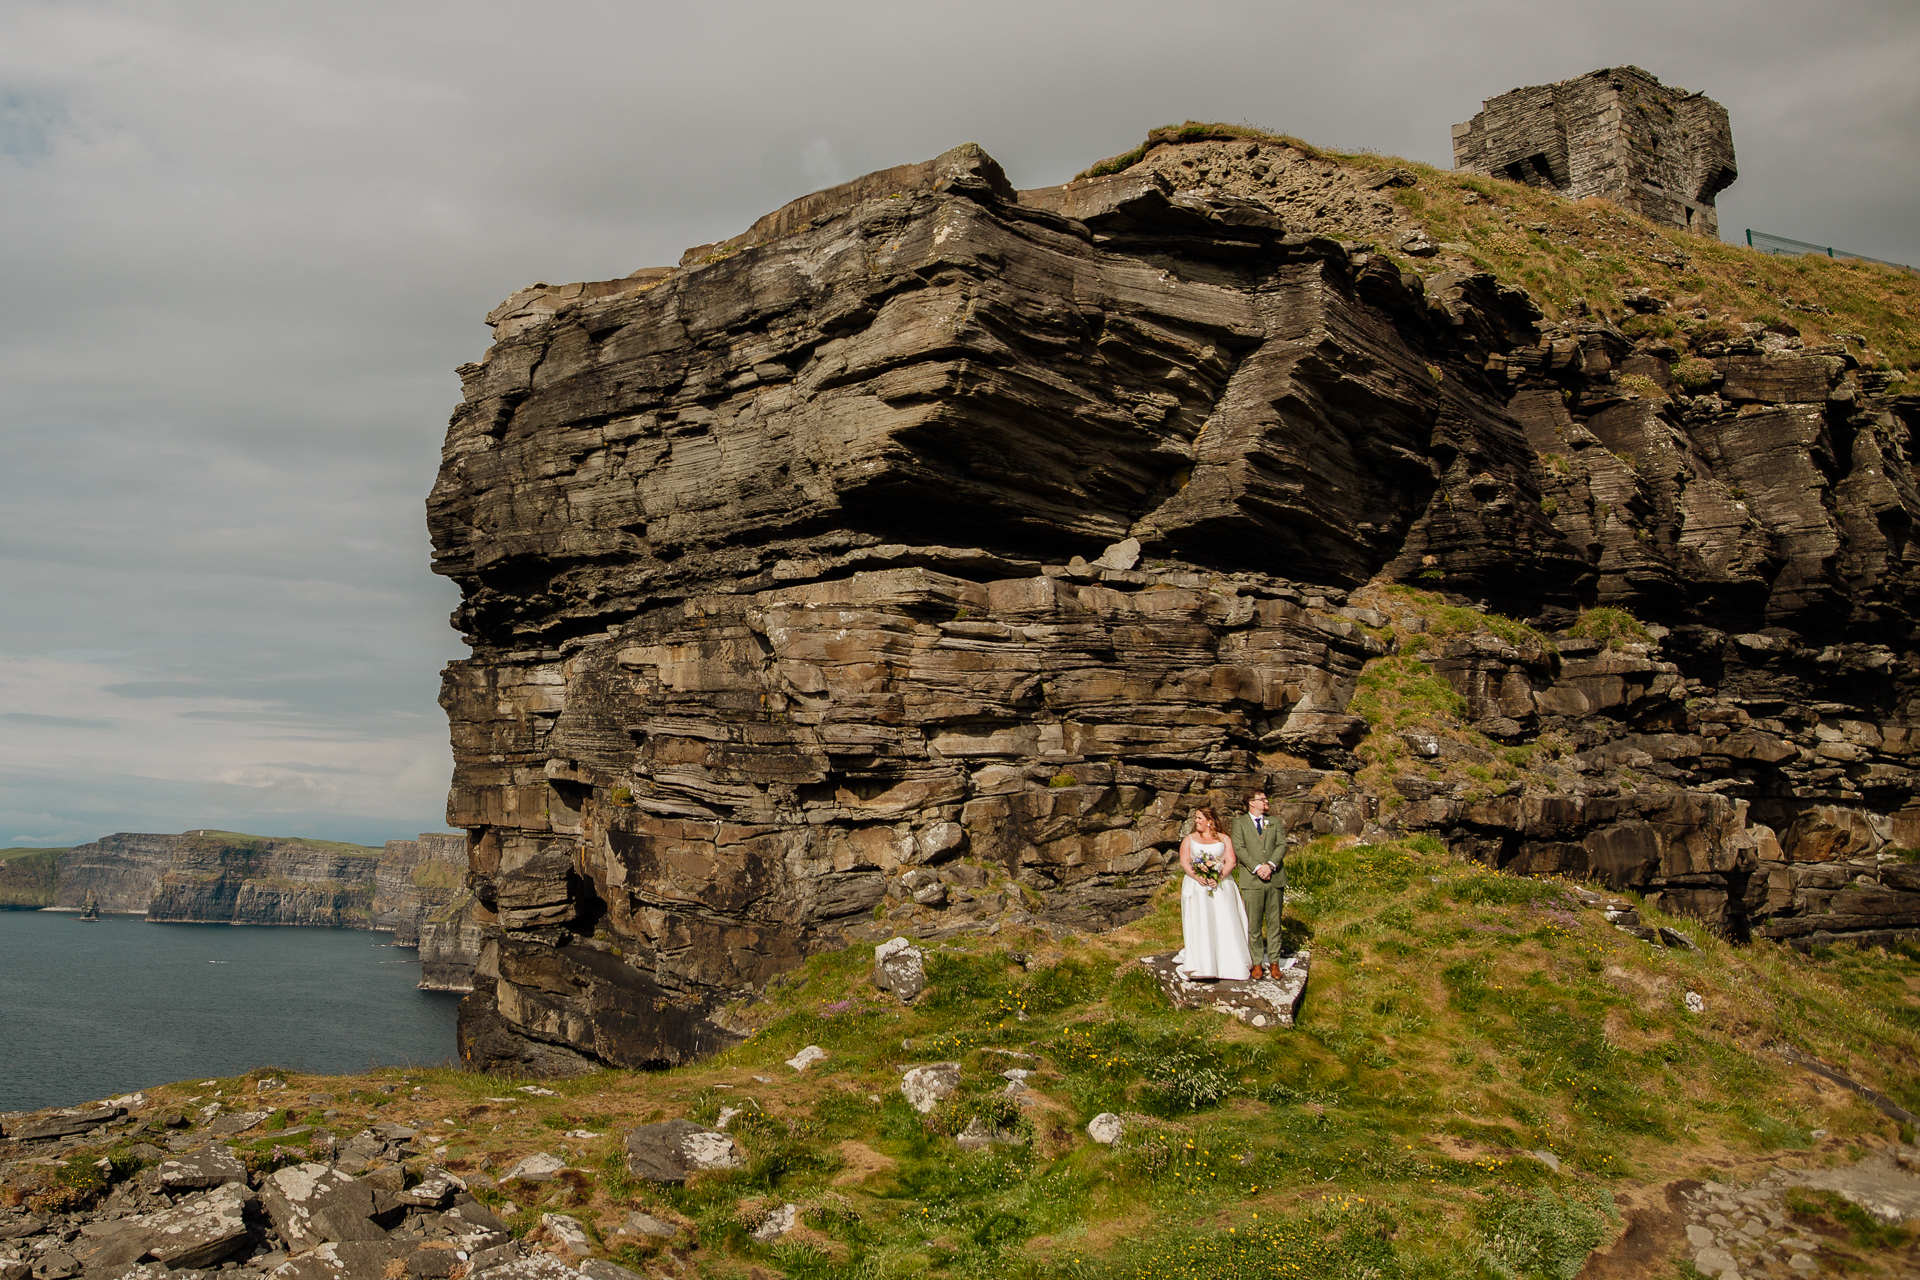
column 91, row 1011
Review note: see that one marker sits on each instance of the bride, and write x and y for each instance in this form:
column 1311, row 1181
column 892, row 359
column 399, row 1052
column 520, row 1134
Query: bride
column 1212, row 919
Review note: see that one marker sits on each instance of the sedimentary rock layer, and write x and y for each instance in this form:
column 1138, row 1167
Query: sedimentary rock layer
column 920, row 558
column 216, row 877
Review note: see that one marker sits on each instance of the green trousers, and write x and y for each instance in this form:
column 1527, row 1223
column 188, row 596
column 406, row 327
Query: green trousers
column 1264, row 907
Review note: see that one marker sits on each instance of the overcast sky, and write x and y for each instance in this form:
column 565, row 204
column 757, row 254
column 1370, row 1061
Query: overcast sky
column 246, row 244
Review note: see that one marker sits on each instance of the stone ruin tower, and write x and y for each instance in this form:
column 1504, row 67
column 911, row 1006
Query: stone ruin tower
column 1616, row 133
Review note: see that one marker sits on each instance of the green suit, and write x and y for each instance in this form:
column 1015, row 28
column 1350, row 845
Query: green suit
column 1264, row 899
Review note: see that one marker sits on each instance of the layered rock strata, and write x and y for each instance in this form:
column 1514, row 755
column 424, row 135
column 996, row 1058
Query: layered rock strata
column 218, row 877
column 919, row 559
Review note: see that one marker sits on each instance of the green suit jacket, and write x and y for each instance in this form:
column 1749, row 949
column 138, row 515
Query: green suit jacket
column 1251, row 848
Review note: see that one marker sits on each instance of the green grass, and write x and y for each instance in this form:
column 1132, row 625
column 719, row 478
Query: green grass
column 8, row 855
column 1457, row 1019
column 29, row 878
column 338, row 846
column 1613, row 626
column 1568, row 254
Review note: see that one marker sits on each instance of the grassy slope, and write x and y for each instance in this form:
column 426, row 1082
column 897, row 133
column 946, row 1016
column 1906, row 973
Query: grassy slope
column 338, row 846
column 1456, row 1019
column 1561, row 250
column 29, row 877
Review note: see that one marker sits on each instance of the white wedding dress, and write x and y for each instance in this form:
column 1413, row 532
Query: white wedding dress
column 1214, row 926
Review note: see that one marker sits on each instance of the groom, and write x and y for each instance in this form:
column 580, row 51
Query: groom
column 1260, row 850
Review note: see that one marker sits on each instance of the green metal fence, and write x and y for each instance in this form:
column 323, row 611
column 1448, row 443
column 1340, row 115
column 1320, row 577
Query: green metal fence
column 1794, row 248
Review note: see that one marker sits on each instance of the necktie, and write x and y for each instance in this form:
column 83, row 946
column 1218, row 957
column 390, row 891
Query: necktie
column 1260, row 824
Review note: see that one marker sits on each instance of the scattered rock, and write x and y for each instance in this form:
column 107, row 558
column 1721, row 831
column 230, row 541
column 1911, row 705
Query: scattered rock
column 899, row 967
column 601, row 1269
column 644, row 1224
column 64, row 1124
column 538, row 1167
column 567, row 1233
column 1547, row 1158
column 979, row 1134
column 1106, row 1128
column 926, row 1087
column 678, row 1149
column 207, row 1167
column 807, row 1057
column 1696, row 1003
column 236, row 1122
column 777, row 1223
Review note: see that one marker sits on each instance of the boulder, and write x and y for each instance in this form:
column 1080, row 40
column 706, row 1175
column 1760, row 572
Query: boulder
column 539, row 1266
column 567, row 1233
column 601, row 1269
column 235, row 1122
column 926, row 1087
column 310, row 1204
column 435, row 1190
column 199, row 1231
column 777, row 1223
column 899, row 967
column 1266, row 1003
column 645, row 1224
column 346, row 1260
column 1106, row 1128
column 538, row 1167
column 979, row 1135
column 677, row 1149
column 807, row 1057
column 208, row 1167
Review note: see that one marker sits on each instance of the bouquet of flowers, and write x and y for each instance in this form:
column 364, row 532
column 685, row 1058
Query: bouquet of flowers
column 1207, row 866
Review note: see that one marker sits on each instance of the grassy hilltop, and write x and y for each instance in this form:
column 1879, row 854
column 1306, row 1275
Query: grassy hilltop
column 1457, row 1020
column 1567, row 253
column 29, row 878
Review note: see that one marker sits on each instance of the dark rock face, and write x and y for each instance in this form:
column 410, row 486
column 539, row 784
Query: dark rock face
column 921, row 561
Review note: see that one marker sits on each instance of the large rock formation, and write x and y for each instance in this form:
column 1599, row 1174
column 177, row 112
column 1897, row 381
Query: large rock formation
column 919, row 558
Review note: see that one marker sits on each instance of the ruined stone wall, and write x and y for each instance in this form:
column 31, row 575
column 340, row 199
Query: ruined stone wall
column 922, row 565
column 1618, row 134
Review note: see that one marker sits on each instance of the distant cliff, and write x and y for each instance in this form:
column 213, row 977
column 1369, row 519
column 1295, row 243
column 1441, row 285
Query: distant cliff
column 28, row 878
column 417, row 880
column 226, row 877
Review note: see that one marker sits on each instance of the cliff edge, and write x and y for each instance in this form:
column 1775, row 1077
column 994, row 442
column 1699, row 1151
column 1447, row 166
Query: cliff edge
column 918, row 559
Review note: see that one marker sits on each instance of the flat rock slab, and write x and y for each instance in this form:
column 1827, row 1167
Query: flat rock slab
column 199, row 1231
column 348, row 1260
column 198, row 1170
column 225, row 1126
column 1258, row 1002
column 64, row 1124
column 673, row 1151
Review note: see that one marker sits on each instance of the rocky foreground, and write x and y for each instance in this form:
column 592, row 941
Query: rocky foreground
column 915, row 561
